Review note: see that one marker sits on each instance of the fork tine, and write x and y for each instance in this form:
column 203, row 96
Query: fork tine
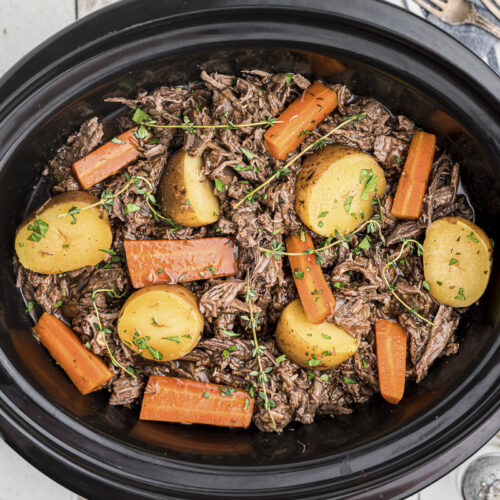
column 439, row 3
column 429, row 8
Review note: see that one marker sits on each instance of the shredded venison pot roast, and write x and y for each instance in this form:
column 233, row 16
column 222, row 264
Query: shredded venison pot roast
column 236, row 307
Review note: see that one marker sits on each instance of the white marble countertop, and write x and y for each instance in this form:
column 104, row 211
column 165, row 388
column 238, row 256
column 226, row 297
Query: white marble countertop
column 23, row 25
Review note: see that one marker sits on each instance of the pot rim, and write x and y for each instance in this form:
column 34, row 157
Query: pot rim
column 13, row 422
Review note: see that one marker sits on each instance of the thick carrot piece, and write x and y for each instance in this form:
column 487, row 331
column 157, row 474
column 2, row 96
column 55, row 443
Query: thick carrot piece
column 413, row 181
column 85, row 369
column 107, row 159
column 174, row 261
column 315, row 294
column 307, row 111
column 390, row 339
column 170, row 399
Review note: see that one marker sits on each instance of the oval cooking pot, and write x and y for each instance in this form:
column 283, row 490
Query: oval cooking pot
column 378, row 452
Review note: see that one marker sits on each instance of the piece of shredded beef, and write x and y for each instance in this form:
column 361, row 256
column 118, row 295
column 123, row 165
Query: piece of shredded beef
column 356, row 277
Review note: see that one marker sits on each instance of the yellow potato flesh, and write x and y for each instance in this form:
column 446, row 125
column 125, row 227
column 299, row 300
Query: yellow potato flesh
column 65, row 246
column 187, row 196
column 457, row 261
column 305, row 343
column 329, row 189
column 161, row 322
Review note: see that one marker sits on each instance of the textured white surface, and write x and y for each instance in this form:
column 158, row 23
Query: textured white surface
column 26, row 23
column 23, row 25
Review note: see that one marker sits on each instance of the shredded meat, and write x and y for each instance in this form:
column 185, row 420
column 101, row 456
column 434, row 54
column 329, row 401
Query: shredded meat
column 225, row 353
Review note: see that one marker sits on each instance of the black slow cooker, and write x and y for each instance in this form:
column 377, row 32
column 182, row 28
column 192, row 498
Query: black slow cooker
column 380, row 451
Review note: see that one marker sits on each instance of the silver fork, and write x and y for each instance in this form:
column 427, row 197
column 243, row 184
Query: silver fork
column 458, row 12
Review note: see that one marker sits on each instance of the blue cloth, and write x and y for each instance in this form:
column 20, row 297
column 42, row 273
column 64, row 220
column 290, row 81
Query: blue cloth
column 486, row 46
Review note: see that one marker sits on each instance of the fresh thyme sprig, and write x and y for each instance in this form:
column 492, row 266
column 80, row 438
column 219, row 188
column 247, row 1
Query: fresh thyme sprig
column 107, row 200
column 142, row 118
column 256, row 352
column 104, row 331
column 412, row 244
column 284, row 168
column 371, row 225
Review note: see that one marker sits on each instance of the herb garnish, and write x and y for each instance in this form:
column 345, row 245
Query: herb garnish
column 142, row 118
column 256, row 353
column 413, row 245
column 284, row 170
column 348, row 203
column 460, row 295
column 111, row 292
column 39, row 228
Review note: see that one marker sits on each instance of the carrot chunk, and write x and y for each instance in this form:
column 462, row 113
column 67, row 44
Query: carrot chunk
column 307, row 111
column 413, row 181
column 390, row 339
column 173, row 261
column 315, row 294
column 171, row 399
column 87, row 371
column 107, row 159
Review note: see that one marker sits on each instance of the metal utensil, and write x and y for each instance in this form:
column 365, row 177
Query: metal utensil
column 492, row 6
column 457, row 12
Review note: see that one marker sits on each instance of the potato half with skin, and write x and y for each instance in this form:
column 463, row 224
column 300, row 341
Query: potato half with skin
column 187, row 196
column 65, row 245
column 320, row 346
column 335, row 188
column 457, row 261
column 161, row 322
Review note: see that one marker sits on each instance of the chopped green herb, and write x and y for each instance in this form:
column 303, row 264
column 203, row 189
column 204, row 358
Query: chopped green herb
column 229, row 334
column 339, row 284
column 141, row 132
column 299, row 274
column 313, row 362
column 131, row 207
column 325, row 336
column 426, row 285
column 247, row 402
column 39, row 228
column 249, row 155
column 155, row 353
column 227, row 391
column 159, row 270
column 324, row 377
column 452, row 262
column 219, row 185
column 288, row 78
column 349, row 380
column 88, row 345
column 365, row 364
column 440, row 283
column 181, row 277
column 460, row 295
column 58, row 304
column 173, row 339
column 153, row 321
column 280, row 359
column 365, row 243
column 65, row 246
column 115, row 140
column 140, row 116
column 347, row 204
column 472, row 238
column 206, row 394
column 29, row 307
